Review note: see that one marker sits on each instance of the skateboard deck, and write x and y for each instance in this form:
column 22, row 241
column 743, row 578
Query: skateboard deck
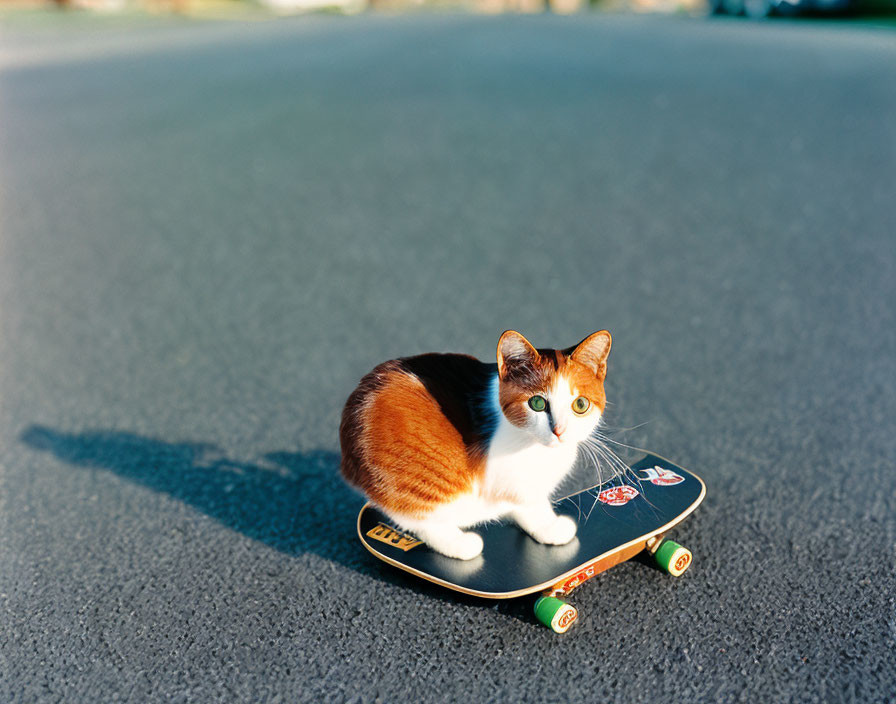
column 615, row 521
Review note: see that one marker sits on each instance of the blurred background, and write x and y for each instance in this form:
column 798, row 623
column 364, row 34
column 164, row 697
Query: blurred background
column 754, row 9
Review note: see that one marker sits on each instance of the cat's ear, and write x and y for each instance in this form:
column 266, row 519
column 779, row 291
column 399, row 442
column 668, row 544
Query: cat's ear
column 593, row 352
column 514, row 350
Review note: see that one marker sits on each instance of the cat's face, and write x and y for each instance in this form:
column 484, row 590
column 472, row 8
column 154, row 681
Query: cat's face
column 557, row 396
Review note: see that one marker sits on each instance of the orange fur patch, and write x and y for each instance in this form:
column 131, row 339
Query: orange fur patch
column 415, row 459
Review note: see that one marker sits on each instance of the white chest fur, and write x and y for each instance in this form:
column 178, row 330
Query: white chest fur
column 518, row 470
column 515, row 474
column 522, row 470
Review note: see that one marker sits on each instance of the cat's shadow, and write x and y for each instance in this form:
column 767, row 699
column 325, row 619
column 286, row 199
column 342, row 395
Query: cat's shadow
column 295, row 502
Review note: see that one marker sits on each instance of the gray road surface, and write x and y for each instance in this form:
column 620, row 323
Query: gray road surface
column 209, row 232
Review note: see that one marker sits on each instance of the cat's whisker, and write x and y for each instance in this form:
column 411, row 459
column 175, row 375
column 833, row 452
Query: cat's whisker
column 589, row 457
column 615, row 442
column 599, row 439
column 590, row 510
column 617, row 465
column 593, row 494
column 599, row 460
column 578, row 504
column 631, row 474
column 623, row 470
column 595, row 458
column 620, row 429
column 620, row 468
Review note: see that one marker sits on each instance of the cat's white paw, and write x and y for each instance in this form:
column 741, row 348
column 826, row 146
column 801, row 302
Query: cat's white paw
column 455, row 543
column 468, row 546
column 558, row 532
column 465, row 546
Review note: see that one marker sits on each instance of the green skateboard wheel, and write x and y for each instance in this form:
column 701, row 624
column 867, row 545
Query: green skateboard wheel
column 555, row 614
column 673, row 558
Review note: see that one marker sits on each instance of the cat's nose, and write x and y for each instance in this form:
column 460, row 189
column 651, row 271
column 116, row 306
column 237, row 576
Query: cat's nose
column 558, row 430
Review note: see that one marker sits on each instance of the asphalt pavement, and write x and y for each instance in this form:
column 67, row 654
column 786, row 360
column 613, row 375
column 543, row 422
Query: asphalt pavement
column 210, row 231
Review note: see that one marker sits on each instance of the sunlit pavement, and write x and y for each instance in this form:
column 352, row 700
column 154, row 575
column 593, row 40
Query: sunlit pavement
column 210, row 231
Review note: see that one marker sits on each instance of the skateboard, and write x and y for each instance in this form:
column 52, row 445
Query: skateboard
column 616, row 520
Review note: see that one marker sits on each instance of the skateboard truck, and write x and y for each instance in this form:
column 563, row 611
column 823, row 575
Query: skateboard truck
column 556, row 614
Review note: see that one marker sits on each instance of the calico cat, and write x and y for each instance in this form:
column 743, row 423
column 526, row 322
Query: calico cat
column 442, row 442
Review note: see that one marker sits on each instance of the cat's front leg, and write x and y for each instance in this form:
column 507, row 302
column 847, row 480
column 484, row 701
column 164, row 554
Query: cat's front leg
column 539, row 520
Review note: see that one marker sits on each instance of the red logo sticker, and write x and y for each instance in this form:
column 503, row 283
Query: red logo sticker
column 576, row 580
column 617, row 495
column 662, row 477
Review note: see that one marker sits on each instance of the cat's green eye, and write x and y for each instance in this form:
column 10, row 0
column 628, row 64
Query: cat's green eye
column 581, row 404
column 537, row 403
